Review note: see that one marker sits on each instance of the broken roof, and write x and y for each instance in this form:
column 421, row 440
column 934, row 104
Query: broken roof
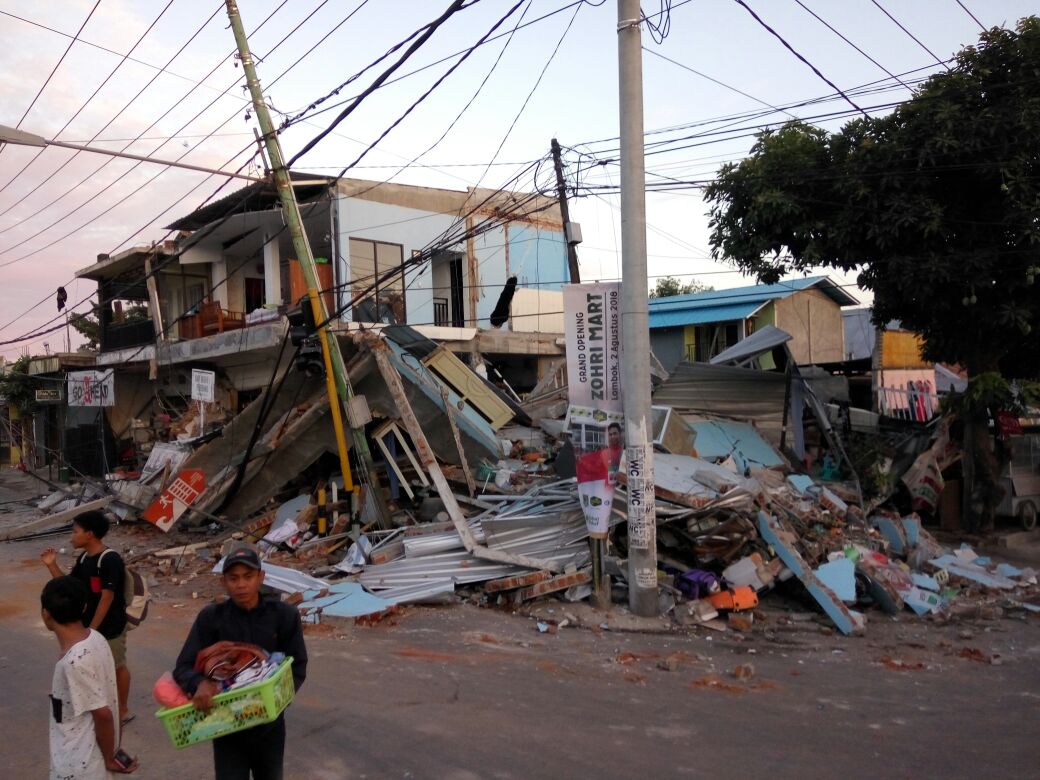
column 261, row 196
column 737, row 303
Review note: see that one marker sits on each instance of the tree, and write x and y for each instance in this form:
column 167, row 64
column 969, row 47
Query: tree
column 936, row 205
column 18, row 387
column 669, row 285
column 88, row 325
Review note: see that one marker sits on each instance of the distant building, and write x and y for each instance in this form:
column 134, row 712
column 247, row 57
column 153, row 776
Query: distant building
column 697, row 327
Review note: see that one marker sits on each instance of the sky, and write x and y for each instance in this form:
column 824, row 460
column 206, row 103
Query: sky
column 157, row 78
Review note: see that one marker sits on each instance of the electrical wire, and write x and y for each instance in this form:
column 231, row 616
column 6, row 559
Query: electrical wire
column 791, row 49
column 108, row 161
column 912, row 37
column 973, row 16
column 428, row 31
column 54, row 70
column 426, row 94
column 828, row 25
column 197, row 115
column 82, row 107
column 720, row 83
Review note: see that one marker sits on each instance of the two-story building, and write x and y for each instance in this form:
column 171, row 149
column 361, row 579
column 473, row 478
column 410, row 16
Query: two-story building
column 479, row 271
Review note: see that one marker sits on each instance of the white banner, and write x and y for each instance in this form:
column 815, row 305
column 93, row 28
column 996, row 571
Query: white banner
column 595, row 420
column 592, row 326
column 91, row 388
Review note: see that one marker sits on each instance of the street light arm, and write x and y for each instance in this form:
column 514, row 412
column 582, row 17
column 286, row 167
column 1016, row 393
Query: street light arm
column 17, row 137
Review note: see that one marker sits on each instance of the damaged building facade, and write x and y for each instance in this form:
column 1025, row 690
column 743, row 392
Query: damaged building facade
column 479, row 271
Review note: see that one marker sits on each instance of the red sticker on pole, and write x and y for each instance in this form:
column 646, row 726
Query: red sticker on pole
column 175, row 500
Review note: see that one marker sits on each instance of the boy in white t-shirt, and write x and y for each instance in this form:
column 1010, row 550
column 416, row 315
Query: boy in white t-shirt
column 84, row 730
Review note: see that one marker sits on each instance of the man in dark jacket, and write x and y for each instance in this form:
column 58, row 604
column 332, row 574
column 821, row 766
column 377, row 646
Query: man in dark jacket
column 244, row 617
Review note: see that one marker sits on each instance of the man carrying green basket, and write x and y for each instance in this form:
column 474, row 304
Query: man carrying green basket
column 245, row 616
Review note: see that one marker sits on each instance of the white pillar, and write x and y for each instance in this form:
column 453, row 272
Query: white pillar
column 272, row 272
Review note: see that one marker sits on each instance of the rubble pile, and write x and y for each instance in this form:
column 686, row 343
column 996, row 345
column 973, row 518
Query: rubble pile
column 473, row 497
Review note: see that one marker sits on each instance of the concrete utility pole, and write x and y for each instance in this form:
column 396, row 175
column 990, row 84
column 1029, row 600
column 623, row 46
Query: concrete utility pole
column 335, row 368
column 565, row 215
column 635, row 321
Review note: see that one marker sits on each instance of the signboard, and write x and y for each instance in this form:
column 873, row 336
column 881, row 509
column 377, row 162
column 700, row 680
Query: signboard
column 91, row 388
column 202, row 384
column 595, row 419
column 48, row 395
column 175, row 500
column 592, row 329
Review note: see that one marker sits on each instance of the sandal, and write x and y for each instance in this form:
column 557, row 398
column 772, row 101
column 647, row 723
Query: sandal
column 127, row 718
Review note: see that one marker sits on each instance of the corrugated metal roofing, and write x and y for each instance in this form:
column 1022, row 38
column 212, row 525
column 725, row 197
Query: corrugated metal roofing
column 702, row 315
column 737, row 302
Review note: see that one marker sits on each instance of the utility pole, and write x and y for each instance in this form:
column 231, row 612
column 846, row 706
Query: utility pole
column 340, row 391
column 635, row 321
column 561, row 191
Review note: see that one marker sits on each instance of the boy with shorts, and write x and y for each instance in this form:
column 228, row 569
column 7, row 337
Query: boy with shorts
column 102, row 570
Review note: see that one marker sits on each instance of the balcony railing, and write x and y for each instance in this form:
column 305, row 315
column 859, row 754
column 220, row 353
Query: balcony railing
column 127, row 334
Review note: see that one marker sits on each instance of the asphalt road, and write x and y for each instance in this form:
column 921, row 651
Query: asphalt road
column 462, row 692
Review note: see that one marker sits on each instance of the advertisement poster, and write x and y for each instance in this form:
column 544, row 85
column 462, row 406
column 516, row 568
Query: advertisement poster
column 595, row 418
column 91, row 388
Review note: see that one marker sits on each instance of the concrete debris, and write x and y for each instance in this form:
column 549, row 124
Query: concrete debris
column 462, row 490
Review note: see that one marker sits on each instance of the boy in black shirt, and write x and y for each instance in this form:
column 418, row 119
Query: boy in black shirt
column 102, row 570
column 244, row 617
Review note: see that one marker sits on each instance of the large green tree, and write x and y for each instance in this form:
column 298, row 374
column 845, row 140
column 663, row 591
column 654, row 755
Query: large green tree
column 936, row 205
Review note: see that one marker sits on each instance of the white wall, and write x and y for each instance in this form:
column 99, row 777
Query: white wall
column 412, row 228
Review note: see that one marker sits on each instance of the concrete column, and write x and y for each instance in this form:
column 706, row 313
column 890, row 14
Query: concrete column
column 272, row 272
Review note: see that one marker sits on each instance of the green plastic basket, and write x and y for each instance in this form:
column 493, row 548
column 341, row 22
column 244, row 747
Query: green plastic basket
column 234, row 710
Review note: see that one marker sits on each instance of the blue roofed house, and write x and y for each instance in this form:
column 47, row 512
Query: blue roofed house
column 698, row 326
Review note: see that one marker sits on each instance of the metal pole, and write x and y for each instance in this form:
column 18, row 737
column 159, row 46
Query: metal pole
column 565, row 215
column 635, row 330
column 336, row 370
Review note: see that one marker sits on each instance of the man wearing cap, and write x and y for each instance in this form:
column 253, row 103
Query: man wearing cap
column 245, row 616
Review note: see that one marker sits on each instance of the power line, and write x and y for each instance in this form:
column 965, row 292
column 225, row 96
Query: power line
column 973, row 16
column 720, row 83
column 428, row 31
column 458, row 53
column 76, row 154
column 127, row 172
column 99, row 47
column 912, row 37
column 56, row 66
column 530, row 94
column 791, row 49
column 85, row 104
column 426, row 94
column 827, row 24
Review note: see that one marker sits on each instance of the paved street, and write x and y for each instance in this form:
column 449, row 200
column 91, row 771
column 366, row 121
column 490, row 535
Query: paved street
column 463, row 692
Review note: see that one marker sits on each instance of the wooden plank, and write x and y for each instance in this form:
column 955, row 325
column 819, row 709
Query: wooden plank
column 433, row 468
column 466, row 471
column 58, row 518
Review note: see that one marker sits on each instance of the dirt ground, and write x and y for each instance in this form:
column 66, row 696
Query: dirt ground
column 462, row 691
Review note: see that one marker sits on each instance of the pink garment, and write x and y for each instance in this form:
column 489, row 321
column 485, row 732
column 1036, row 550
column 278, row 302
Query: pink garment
column 168, row 693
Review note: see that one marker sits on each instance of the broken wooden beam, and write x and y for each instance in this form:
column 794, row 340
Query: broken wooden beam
column 429, row 461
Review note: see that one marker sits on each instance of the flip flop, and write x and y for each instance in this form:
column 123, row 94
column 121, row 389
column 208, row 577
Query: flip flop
column 127, row 719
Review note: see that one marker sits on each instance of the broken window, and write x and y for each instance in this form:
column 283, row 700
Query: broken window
column 377, row 299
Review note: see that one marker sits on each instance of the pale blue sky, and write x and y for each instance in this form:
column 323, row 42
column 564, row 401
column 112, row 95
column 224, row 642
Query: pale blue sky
column 576, row 102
